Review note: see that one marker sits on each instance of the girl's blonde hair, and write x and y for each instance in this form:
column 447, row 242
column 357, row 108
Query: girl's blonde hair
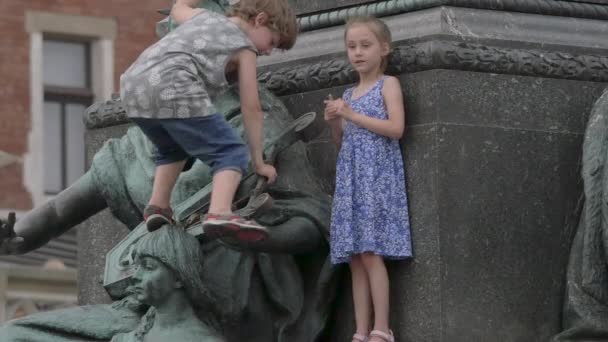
column 281, row 17
column 378, row 28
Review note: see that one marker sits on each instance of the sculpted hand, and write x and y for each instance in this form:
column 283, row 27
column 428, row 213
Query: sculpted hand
column 10, row 243
column 267, row 171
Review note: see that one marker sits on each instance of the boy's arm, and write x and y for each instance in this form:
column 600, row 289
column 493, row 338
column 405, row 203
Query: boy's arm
column 184, row 10
column 253, row 117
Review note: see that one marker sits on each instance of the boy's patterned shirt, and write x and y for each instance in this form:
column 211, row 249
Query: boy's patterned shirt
column 181, row 74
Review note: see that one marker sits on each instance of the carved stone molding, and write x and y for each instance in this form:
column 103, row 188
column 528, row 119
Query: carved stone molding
column 393, row 7
column 444, row 55
column 105, row 114
column 408, row 58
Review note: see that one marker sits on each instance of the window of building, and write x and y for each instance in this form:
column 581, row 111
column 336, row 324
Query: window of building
column 71, row 66
column 67, row 93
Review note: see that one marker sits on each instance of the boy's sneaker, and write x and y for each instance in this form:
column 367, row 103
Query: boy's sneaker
column 156, row 217
column 218, row 226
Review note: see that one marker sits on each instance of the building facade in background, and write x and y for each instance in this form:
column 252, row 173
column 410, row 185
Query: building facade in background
column 58, row 57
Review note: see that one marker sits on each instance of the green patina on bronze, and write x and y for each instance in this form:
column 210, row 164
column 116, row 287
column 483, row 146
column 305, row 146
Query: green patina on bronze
column 280, row 289
column 171, row 280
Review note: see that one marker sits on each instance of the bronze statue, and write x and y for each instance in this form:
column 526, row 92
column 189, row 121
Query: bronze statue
column 585, row 311
column 170, row 279
column 279, row 289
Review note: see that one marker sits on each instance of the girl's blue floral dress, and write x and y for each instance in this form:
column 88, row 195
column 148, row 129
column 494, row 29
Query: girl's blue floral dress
column 370, row 210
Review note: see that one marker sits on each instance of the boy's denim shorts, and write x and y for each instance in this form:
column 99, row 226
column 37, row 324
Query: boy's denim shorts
column 210, row 139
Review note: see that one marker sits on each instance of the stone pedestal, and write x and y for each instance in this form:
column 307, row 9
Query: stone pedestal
column 496, row 105
column 492, row 166
column 99, row 234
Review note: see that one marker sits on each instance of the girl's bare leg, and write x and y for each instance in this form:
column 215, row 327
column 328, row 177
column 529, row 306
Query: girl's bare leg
column 379, row 286
column 361, row 295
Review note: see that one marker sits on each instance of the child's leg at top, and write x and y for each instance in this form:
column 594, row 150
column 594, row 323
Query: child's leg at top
column 361, row 298
column 225, row 183
column 165, row 177
column 213, row 140
column 169, row 158
column 379, row 288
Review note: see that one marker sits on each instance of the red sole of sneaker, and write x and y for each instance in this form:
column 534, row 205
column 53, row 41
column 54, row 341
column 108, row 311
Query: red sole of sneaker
column 251, row 236
column 218, row 231
column 242, row 234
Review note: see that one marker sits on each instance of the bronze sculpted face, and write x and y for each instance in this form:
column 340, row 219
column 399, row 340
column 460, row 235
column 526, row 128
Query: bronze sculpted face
column 168, row 264
column 153, row 282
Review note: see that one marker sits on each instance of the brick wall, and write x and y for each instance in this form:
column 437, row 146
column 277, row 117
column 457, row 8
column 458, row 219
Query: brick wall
column 136, row 30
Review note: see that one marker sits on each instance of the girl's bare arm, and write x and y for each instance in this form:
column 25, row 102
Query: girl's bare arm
column 392, row 127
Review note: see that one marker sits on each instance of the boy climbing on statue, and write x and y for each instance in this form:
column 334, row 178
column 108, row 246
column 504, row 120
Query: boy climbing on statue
column 169, row 93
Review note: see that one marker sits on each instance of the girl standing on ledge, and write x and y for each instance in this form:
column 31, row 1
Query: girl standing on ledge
column 370, row 220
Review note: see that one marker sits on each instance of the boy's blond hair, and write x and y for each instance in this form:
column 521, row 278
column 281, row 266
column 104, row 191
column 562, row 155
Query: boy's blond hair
column 378, row 28
column 281, row 17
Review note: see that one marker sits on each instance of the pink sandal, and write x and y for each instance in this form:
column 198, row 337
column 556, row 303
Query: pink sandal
column 360, row 338
column 387, row 337
column 218, row 226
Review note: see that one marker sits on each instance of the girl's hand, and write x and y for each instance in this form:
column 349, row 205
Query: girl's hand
column 334, row 120
column 338, row 108
column 329, row 114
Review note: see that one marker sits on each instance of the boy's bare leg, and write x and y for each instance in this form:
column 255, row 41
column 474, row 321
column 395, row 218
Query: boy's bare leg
column 225, row 183
column 165, row 177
